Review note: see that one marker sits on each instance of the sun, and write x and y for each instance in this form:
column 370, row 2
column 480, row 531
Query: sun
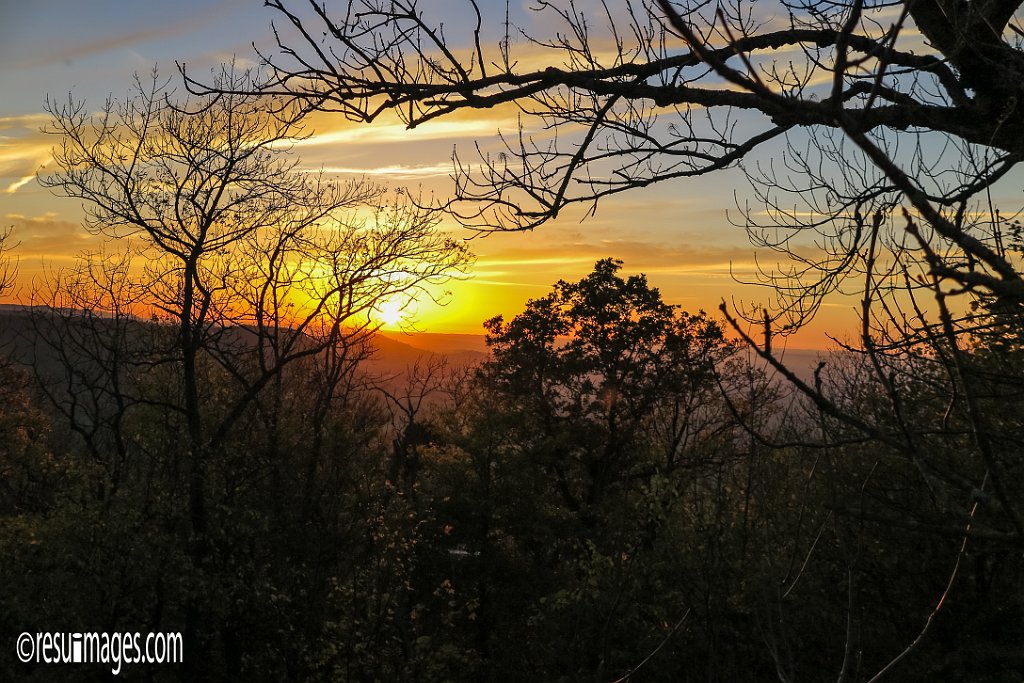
column 392, row 312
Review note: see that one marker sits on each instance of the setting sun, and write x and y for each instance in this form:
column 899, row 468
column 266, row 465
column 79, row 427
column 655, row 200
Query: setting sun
column 393, row 312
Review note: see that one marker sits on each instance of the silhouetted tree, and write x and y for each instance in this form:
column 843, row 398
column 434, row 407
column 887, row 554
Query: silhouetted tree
column 248, row 266
column 598, row 370
column 590, row 477
column 8, row 268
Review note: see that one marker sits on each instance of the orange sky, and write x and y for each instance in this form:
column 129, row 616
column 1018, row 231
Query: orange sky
column 678, row 234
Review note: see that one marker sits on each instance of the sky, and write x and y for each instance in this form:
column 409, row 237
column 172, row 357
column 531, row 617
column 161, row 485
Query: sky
column 679, row 233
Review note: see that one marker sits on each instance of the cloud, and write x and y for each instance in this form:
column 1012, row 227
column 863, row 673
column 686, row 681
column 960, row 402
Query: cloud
column 13, row 187
column 47, row 236
column 78, row 51
column 535, row 260
column 24, row 121
column 23, row 150
column 341, row 132
column 397, row 172
column 552, row 260
column 26, row 54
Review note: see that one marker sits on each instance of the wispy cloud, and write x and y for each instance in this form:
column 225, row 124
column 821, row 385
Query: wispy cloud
column 47, row 236
column 550, row 260
column 398, row 172
column 23, row 150
column 49, row 54
column 13, row 187
column 535, row 261
column 400, row 133
column 24, row 121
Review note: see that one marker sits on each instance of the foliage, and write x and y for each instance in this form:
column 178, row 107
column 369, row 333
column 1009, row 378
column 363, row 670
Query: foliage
column 610, row 383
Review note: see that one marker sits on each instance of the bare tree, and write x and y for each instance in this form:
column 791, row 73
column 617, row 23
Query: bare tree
column 657, row 91
column 192, row 184
column 8, row 268
column 254, row 263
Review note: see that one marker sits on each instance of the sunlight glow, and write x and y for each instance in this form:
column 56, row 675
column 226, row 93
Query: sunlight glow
column 394, row 312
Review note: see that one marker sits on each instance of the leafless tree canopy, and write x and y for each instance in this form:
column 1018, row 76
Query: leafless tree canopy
column 876, row 105
column 249, row 264
column 254, row 262
column 8, row 267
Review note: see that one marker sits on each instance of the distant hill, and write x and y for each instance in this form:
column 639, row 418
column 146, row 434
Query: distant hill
column 470, row 348
column 395, row 352
column 17, row 334
column 435, row 342
column 802, row 362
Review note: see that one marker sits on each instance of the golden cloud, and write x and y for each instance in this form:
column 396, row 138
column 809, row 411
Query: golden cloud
column 24, row 148
column 48, row 236
column 332, row 128
column 396, row 172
